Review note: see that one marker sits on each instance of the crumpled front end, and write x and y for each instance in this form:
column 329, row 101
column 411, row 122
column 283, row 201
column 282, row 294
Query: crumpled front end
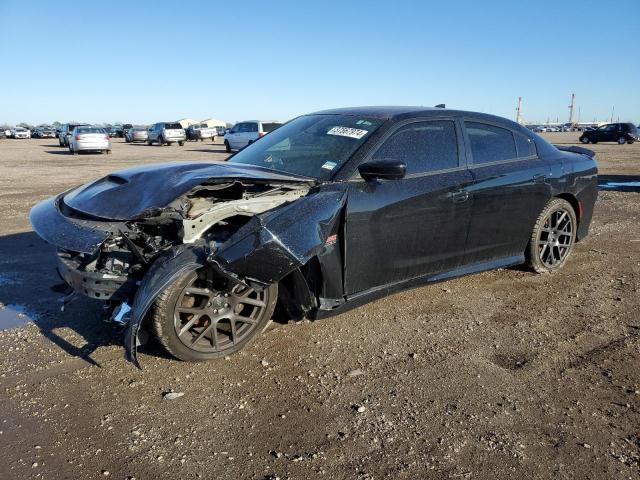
column 252, row 231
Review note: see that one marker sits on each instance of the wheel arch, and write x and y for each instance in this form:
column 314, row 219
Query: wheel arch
column 575, row 204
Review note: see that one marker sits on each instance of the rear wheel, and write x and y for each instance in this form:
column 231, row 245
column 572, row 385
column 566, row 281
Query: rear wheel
column 195, row 322
column 553, row 237
column 227, row 147
column 160, row 140
column 181, row 143
column 622, row 141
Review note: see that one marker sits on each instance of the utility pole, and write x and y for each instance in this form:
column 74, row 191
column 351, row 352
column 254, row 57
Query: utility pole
column 519, row 111
column 571, row 107
column 613, row 109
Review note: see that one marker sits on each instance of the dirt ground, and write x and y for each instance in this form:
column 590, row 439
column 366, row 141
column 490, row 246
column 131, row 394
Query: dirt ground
column 499, row 375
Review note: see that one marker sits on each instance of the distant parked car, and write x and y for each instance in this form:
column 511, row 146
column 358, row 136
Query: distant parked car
column 125, row 128
column 8, row 132
column 20, row 132
column 200, row 132
column 65, row 132
column 87, row 138
column 612, row 132
column 247, row 132
column 166, row 132
column 136, row 134
column 43, row 132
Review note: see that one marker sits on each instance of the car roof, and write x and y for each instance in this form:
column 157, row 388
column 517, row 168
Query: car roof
column 400, row 112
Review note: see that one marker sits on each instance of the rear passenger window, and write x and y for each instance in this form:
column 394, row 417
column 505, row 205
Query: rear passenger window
column 422, row 146
column 489, row 143
column 524, row 145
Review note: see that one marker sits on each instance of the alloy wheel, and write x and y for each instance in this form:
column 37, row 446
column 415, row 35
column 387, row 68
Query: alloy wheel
column 556, row 238
column 212, row 321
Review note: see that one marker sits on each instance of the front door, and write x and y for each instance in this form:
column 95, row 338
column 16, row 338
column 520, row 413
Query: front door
column 415, row 226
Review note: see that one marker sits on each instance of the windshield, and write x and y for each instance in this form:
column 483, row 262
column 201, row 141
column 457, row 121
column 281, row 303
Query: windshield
column 312, row 145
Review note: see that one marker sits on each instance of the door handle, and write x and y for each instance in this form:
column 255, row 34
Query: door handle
column 459, row 196
column 539, row 178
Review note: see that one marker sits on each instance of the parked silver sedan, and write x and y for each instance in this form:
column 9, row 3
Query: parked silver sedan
column 85, row 138
column 136, row 134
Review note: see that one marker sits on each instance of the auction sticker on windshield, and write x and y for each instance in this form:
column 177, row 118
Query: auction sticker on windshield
column 348, row 132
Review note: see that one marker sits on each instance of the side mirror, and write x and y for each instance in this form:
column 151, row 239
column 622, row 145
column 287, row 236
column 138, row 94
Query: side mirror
column 383, row 170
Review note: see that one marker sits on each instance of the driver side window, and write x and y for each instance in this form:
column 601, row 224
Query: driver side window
column 423, row 146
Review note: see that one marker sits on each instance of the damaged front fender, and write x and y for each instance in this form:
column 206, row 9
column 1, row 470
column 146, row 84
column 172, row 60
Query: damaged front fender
column 262, row 252
column 164, row 271
column 272, row 245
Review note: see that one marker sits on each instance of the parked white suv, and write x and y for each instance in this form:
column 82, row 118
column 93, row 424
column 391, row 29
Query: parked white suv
column 244, row 133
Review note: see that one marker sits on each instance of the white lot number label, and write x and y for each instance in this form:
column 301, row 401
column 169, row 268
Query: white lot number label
column 348, row 132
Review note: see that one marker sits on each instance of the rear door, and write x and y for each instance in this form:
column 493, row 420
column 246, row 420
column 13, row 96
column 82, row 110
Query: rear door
column 510, row 188
column 401, row 229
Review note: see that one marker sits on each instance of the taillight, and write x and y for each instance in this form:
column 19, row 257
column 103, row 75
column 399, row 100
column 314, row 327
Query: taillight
column 107, row 137
column 77, row 137
column 261, row 134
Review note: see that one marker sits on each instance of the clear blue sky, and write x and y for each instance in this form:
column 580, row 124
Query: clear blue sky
column 142, row 62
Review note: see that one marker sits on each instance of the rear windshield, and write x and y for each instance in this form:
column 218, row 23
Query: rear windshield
column 267, row 127
column 138, row 129
column 172, row 126
column 91, row 130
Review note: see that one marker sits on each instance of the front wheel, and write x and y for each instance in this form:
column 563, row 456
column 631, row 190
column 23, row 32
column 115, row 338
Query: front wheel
column 622, row 141
column 227, row 147
column 195, row 322
column 584, row 140
column 553, row 237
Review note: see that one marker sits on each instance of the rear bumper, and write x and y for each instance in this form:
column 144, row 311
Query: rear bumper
column 80, row 146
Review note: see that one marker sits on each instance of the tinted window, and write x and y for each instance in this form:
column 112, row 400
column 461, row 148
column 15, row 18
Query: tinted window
column 90, row 130
column 250, row 127
column 524, row 145
column 489, row 143
column 172, row 126
column 422, row 146
column 267, row 127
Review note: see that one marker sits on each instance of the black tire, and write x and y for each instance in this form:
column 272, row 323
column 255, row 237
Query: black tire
column 630, row 142
column 149, row 143
column 227, row 147
column 584, row 139
column 181, row 143
column 160, row 140
column 622, row 140
column 553, row 237
column 126, row 139
column 108, row 152
column 164, row 322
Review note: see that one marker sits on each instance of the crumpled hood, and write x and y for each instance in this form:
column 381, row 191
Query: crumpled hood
column 134, row 192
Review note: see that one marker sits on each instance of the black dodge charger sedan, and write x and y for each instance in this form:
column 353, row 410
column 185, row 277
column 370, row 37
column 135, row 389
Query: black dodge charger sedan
column 329, row 211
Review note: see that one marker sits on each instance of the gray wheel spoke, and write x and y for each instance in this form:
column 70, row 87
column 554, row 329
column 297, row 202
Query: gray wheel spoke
column 203, row 332
column 253, row 301
column 234, row 332
column 244, row 319
column 198, row 291
column 185, row 328
column 196, row 311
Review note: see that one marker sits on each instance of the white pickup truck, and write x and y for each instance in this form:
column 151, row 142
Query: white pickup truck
column 200, row 131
